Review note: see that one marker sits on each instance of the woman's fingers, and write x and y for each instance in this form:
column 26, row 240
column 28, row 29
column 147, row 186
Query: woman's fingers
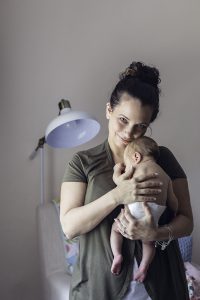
column 121, row 228
column 145, row 177
column 128, row 215
column 119, row 176
column 126, row 235
column 145, row 199
column 148, row 191
column 122, row 220
column 118, row 168
column 128, row 174
column 148, row 184
column 147, row 209
column 133, row 228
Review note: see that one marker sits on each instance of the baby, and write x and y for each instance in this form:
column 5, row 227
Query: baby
column 142, row 154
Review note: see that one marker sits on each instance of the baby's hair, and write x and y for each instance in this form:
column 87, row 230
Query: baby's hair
column 146, row 146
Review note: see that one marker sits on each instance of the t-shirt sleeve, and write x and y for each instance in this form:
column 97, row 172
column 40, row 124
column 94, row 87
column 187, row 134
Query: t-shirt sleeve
column 75, row 171
column 170, row 165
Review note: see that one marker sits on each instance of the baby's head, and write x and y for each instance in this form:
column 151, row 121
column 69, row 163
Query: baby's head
column 140, row 149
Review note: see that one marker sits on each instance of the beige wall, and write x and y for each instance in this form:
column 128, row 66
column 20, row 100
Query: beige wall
column 75, row 49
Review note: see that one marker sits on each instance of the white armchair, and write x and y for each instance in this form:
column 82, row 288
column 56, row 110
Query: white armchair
column 55, row 279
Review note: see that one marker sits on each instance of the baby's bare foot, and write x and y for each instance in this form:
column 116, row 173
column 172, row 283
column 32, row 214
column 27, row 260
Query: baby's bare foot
column 116, row 265
column 141, row 273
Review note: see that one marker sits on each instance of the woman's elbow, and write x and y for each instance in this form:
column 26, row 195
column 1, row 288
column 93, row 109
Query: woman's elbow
column 66, row 228
column 191, row 227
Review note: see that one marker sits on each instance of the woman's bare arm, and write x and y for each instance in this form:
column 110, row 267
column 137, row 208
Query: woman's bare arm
column 77, row 218
column 172, row 201
column 182, row 224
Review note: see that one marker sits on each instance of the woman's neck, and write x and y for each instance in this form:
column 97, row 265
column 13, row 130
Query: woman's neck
column 117, row 153
column 118, row 158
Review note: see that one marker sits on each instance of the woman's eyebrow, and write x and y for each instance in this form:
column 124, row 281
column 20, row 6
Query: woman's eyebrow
column 124, row 116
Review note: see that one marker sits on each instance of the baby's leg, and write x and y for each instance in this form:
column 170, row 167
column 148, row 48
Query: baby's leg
column 116, row 240
column 147, row 257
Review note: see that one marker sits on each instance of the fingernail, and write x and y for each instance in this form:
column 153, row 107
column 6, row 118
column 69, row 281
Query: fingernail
column 160, row 183
column 156, row 174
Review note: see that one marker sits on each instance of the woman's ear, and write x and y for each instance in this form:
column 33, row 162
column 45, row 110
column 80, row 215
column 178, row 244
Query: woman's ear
column 137, row 157
column 108, row 111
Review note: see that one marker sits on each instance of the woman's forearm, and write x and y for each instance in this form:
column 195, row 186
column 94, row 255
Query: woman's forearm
column 83, row 219
column 180, row 226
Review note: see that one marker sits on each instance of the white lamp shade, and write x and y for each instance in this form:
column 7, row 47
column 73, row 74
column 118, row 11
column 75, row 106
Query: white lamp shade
column 71, row 129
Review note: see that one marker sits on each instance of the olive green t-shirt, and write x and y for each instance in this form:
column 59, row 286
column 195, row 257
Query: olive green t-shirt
column 92, row 278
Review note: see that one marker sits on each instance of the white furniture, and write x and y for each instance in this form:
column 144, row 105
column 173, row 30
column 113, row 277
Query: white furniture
column 55, row 279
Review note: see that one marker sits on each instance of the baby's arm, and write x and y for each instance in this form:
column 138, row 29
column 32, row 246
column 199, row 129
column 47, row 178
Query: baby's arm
column 172, row 201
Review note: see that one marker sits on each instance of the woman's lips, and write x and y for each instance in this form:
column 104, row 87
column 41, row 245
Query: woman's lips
column 124, row 140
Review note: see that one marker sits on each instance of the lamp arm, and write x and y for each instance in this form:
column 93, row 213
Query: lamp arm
column 41, row 143
column 42, row 193
column 40, row 146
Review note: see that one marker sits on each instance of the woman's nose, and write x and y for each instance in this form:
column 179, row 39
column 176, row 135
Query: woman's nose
column 128, row 133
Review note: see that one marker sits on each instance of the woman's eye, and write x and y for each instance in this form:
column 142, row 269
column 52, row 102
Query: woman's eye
column 142, row 126
column 123, row 120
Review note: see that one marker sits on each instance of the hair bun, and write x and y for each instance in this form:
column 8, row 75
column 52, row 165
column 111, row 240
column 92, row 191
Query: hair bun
column 147, row 74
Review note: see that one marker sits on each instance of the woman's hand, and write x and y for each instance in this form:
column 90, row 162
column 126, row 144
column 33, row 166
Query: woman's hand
column 135, row 189
column 119, row 173
column 134, row 229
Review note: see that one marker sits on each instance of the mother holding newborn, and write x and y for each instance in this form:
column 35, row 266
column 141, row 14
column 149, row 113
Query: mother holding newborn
column 90, row 201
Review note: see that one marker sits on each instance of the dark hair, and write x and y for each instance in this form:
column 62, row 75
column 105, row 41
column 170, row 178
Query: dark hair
column 144, row 145
column 139, row 81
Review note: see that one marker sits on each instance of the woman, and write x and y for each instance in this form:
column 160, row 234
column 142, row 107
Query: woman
column 90, row 201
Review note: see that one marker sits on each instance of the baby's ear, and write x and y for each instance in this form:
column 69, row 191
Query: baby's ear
column 137, row 157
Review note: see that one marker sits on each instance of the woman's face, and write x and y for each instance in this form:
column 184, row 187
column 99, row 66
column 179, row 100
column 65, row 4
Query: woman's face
column 127, row 121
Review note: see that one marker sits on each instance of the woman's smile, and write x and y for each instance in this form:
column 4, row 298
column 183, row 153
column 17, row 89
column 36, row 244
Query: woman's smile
column 124, row 141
